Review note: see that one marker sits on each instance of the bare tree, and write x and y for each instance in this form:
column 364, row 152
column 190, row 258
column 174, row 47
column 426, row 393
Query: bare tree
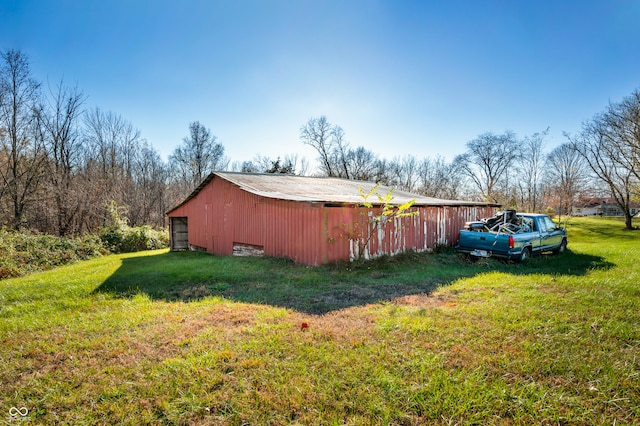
column 598, row 147
column 290, row 164
column 112, row 141
column 404, row 173
column 342, row 157
column 245, row 167
column 620, row 126
column 59, row 117
column 150, row 179
column 58, row 172
column 111, row 146
column 198, row 156
column 21, row 147
column 531, row 169
column 264, row 164
column 335, row 156
column 383, row 172
column 300, row 165
column 487, row 163
column 610, row 145
column 317, row 133
column 439, row 179
column 361, row 164
column 566, row 176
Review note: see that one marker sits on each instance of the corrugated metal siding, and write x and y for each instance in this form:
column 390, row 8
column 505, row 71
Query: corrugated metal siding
column 222, row 215
column 293, row 230
column 336, row 232
column 246, row 228
column 431, row 226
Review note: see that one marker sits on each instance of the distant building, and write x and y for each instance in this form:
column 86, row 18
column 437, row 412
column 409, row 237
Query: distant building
column 601, row 207
column 310, row 220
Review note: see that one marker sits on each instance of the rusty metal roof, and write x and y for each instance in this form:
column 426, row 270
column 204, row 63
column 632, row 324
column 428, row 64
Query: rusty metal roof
column 319, row 189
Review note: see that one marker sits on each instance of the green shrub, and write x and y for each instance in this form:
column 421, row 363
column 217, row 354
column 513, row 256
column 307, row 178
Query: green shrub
column 118, row 237
column 24, row 252
column 111, row 238
column 124, row 239
column 144, row 238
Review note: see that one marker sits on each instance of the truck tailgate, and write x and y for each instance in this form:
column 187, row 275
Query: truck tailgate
column 483, row 241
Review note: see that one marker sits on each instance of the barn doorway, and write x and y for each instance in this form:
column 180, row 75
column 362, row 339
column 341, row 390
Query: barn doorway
column 179, row 234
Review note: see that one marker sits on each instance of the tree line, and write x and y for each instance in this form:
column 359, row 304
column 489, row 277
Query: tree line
column 64, row 165
column 601, row 161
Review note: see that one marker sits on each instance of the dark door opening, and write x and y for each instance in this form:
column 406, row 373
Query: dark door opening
column 179, row 234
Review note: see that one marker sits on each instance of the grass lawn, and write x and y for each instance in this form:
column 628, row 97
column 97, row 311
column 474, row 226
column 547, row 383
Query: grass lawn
column 190, row 338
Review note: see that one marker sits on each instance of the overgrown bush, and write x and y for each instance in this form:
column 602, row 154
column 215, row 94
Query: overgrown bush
column 125, row 239
column 24, row 252
column 119, row 237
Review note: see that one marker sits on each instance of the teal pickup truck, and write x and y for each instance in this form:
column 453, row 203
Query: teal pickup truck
column 512, row 236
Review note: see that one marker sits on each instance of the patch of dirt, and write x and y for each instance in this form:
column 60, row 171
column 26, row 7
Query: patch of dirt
column 353, row 326
column 422, row 300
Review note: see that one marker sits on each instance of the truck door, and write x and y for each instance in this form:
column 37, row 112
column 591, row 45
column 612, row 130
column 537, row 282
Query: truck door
column 551, row 236
column 534, row 232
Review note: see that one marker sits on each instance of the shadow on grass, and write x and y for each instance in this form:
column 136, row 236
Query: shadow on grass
column 189, row 276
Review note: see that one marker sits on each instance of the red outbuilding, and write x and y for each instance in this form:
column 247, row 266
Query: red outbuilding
column 309, row 219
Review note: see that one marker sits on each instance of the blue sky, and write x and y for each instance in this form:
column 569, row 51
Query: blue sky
column 400, row 77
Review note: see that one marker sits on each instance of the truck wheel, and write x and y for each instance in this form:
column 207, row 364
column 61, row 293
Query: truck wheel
column 525, row 254
column 562, row 248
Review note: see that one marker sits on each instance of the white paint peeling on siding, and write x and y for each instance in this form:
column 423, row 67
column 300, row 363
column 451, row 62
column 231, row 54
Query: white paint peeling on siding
column 381, row 234
column 400, row 235
column 421, row 232
column 439, row 226
column 426, row 234
column 353, row 250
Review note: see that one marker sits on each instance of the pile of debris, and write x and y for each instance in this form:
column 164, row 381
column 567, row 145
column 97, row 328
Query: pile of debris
column 506, row 221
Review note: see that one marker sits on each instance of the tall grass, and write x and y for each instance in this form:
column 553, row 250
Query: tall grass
column 189, row 338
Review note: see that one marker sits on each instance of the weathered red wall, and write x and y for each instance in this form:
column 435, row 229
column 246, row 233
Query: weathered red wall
column 432, row 225
column 222, row 215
